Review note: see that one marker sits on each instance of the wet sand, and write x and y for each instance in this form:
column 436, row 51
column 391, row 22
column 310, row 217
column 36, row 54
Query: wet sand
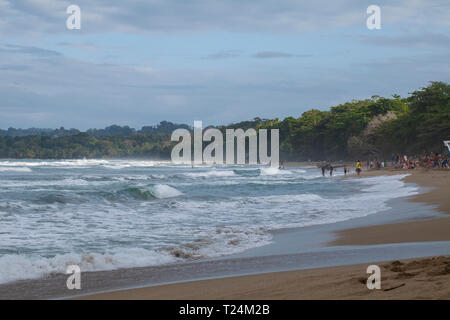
column 411, row 231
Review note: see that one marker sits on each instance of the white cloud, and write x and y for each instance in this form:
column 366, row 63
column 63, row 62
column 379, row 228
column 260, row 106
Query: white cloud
column 180, row 16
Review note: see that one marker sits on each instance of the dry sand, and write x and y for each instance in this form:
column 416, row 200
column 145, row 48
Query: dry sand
column 423, row 278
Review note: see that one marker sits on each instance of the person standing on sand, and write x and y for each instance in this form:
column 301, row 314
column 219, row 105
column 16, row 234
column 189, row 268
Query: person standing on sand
column 358, row 167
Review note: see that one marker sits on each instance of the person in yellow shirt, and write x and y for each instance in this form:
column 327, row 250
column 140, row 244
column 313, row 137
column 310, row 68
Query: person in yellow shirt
column 358, row 167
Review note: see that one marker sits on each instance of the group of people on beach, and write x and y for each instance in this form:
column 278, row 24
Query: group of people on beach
column 431, row 160
column 376, row 164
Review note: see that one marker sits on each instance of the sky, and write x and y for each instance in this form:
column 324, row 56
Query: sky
column 140, row 62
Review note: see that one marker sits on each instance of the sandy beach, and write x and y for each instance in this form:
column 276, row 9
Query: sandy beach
column 423, row 278
column 426, row 278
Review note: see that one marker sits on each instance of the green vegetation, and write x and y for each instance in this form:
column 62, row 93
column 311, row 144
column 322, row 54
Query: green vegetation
column 373, row 127
column 84, row 146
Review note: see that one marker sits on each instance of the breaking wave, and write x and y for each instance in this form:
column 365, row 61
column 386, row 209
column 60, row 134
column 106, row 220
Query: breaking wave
column 158, row 191
column 125, row 213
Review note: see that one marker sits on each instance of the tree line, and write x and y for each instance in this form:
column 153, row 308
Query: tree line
column 375, row 127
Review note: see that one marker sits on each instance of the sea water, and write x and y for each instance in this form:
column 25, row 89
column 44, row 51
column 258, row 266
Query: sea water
column 110, row 214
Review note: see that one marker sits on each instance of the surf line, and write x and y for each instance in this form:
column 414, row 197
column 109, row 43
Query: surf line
column 214, row 151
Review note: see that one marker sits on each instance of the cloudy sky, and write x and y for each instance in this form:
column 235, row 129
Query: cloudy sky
column 139, row 62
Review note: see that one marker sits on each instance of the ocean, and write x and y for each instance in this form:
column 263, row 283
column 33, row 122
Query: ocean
column 113, row 214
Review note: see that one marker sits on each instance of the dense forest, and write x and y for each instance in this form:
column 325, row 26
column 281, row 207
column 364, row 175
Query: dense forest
column 375, row 127
column 112, row 142
column 163, row 127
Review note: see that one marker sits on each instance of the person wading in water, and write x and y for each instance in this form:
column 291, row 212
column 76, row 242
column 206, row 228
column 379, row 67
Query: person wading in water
column 358, row 167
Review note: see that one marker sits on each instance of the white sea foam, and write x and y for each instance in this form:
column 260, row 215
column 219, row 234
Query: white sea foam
column 274, row 171
column 60, row 163
column 16, row 169
column 220, row 242
column 81, row 163
column 162, row 191
column 17, row 267
column 212, row 173
column 299, row 170
column 67, row 182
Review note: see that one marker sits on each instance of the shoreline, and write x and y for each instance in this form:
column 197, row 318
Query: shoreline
column 437, row 229
column 420, row 278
